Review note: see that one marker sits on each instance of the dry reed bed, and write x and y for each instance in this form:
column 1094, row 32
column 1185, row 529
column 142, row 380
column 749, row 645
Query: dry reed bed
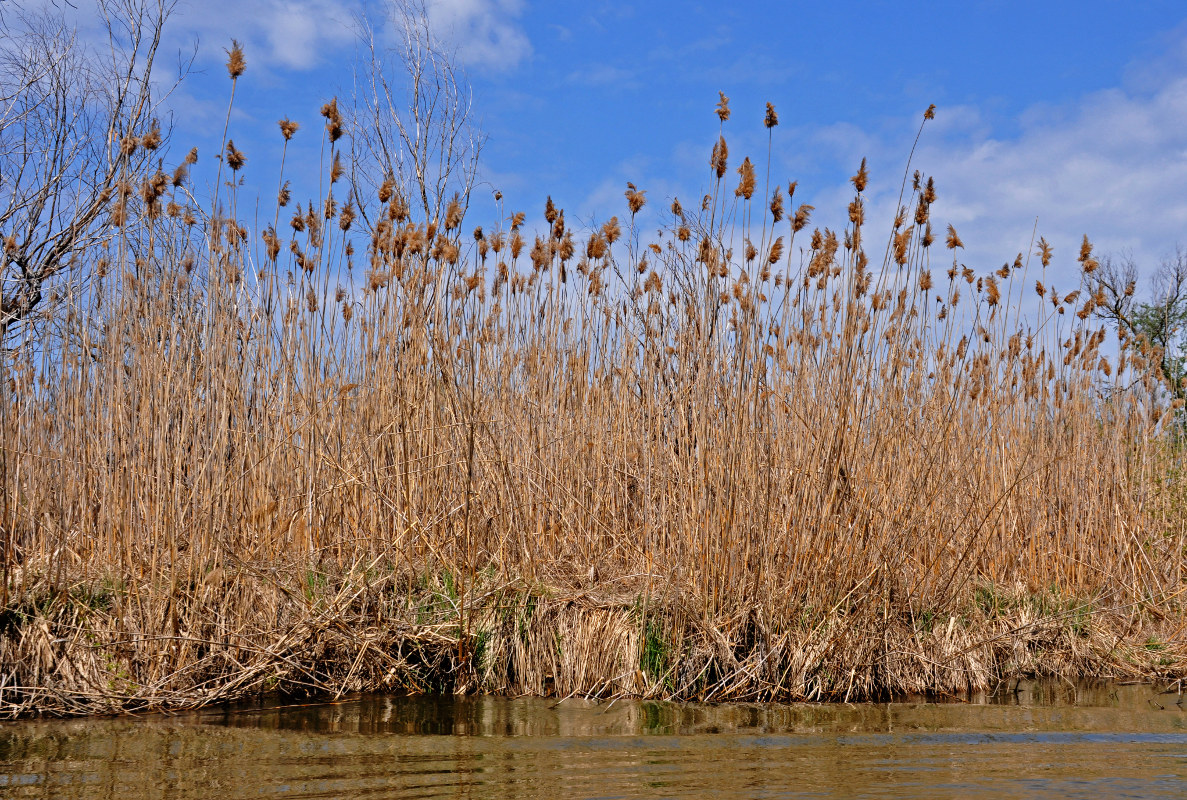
column 740, row 461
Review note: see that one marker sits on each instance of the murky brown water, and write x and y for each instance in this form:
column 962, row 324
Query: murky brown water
column 1044, row 741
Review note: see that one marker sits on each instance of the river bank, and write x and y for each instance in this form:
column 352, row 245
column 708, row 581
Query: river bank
column 249, row 633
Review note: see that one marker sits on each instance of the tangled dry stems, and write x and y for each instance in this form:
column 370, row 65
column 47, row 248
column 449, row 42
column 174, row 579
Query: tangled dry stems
column 738, row 462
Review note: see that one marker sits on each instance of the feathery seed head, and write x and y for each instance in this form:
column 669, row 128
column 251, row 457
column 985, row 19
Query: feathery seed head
column 802, row 215
column 723, row 107
column 635, row 198
column 386, row 188
column 235, row 158
column 235, row 61
column 152, row 140
column 719, row 158
column 453, row 213
column 772, row 119
column 288, row 128
column 777, row 205
column 931, row 112
column 993, row 294
column 1044, row 252
column 611, row 230
column 596, row 246
column 333, row 119
column 776, row 251
column 747, row 181
column 862, row 177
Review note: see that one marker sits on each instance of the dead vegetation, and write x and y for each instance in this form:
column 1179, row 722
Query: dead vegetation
column 739, row 461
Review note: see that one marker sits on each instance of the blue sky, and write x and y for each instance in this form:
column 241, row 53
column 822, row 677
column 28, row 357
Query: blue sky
column 1071, row 112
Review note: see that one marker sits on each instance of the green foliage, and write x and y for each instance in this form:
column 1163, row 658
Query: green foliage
column 656, row 654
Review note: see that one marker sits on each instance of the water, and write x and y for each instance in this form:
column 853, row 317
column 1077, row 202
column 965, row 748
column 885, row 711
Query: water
column 1042, row 741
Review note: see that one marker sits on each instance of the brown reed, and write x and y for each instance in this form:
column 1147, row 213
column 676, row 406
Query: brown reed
column 794, row 476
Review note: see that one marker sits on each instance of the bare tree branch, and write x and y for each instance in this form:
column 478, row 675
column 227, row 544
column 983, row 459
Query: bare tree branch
column 411, row 115
column 74, row 131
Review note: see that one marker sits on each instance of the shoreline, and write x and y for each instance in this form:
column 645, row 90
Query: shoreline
column 95, row 651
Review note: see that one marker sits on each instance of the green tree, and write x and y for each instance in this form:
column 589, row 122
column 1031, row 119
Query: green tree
column 1159, row 321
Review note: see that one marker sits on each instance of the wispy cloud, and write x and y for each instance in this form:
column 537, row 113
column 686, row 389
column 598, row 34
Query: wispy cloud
column 1112, row 166
column 287, row 34
column 482, row 32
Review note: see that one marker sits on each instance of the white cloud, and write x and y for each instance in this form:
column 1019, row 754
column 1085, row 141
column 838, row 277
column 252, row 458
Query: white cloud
column 482, row 32
column 1112, row 165
column 290, row 34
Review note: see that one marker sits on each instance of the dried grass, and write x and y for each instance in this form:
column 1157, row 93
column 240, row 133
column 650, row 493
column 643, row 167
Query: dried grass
column 672, row 469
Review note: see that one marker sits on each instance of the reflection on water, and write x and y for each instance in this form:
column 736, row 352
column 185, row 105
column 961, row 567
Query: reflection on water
column 1039, row 741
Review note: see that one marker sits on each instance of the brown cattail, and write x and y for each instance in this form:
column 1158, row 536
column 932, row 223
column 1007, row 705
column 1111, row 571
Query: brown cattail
column 235, row 61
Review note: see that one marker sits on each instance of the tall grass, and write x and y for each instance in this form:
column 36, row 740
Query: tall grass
column 748, row 458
